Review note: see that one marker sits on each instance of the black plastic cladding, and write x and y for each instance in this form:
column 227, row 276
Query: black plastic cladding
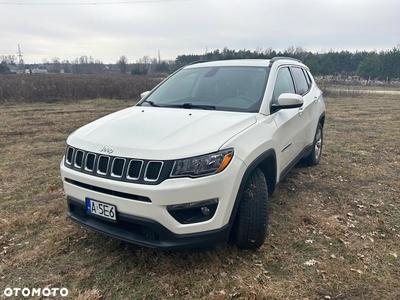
column 118, row 168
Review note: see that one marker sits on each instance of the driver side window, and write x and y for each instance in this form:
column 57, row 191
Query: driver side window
column 283, row 84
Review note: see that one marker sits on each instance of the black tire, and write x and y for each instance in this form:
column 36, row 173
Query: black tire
column 315, row 156
column 251, row 222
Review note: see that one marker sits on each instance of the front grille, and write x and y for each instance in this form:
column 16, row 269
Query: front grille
column 102, row 167
column 90, row 158
column 134, row 168
column 107, row 191
column 69, row 155
column 134, row 228
column 79, row 158
column 153, row 170
column 117, row 168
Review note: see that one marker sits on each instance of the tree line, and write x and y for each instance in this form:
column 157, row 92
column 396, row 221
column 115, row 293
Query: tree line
column 88, row 65
column 383, row 65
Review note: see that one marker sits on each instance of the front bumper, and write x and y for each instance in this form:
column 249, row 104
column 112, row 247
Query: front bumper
column 149, row 223
column 146, row 232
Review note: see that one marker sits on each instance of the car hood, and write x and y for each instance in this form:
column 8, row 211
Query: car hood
column 160, row 133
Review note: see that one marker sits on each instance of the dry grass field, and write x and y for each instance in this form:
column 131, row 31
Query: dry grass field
column 334, row 230
column 50, row 88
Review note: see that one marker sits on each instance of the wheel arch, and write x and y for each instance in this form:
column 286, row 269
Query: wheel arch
column 267, row 163
column 322, row 119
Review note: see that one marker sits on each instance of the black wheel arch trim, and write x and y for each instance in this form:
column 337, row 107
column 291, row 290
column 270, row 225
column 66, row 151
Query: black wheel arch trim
column 321, row 119
column 269, row 154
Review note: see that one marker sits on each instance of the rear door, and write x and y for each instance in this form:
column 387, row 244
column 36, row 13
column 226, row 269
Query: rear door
column 307, row 113
column 287, row 121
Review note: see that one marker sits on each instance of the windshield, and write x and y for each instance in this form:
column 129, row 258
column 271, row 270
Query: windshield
column 220, row 88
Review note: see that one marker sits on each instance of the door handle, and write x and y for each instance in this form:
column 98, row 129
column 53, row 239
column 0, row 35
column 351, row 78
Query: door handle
column 301, row 111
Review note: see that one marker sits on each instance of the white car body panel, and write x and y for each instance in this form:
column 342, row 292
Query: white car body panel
column 161, row 133
column 169, row 192
column 165, row 134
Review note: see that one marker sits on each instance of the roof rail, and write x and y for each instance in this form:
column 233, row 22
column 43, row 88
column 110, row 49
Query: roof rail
column 276, row 58
column 197, row 62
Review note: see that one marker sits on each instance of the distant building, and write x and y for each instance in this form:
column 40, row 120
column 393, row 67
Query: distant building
column 14, row 69
column 111, row 69
column 39, row 71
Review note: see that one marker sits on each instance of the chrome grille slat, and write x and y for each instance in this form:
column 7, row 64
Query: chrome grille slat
column 134, row 169
column 102, row 164
column 69, row 155
column 117, row 168
column 153, row 170
column 79, row 157
column 90, row 162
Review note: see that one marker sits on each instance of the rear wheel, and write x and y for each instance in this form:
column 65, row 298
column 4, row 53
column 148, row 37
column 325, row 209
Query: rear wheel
column 250, row 227
column 315, row 155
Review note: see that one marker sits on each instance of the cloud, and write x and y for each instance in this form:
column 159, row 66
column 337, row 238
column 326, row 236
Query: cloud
column 183, row 27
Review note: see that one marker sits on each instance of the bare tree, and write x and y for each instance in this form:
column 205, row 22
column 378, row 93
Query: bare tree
column 45, row 63
column 267, row 51
column 66, row 66
column 12, row 59
column 56, row 64
column 122, row 63
column 83, row 59
column 259, row 50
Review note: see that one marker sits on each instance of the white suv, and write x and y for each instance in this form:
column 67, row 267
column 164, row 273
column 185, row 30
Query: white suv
column 195, row 160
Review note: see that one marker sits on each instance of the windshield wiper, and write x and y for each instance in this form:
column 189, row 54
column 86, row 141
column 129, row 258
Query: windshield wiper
column 151, row 103
column 184, row 105
column 191, row 105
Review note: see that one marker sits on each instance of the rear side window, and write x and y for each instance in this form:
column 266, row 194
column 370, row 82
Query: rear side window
column 301, row 82
column 307, row 77
column 283, row 84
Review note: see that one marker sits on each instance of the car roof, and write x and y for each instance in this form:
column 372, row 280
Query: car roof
column 245, row 62
column 231, row 63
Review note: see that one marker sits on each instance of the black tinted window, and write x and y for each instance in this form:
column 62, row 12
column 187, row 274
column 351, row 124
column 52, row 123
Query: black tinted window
column 283, row 84
column 301, row 81
column 307, row 77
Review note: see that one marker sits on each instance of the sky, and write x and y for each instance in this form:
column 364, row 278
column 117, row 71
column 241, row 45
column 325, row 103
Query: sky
column 108, row 29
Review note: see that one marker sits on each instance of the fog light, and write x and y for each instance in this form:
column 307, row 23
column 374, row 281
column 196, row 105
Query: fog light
column 205, row 210
column 193, row 212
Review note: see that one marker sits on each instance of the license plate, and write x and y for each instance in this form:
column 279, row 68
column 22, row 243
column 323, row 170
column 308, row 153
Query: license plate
column 101, row 209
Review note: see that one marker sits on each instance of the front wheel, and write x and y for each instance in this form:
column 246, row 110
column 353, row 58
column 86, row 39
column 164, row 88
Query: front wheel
column 315, row 155
column 250, row 227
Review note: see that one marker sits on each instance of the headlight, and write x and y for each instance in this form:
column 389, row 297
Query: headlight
column 202, row 165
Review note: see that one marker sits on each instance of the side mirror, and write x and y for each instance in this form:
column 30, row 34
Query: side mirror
column 288, row 100
column 144, row 94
